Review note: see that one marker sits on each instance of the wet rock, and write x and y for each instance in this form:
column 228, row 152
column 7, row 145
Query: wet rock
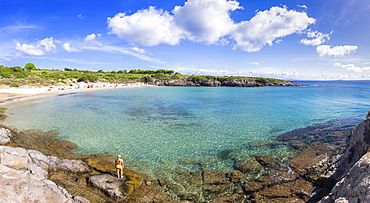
column 266, row 180
column 170, row 187
column 189, row 197
column 283, row 174
column 191, row 181
column 313, row 161
column 237, row 196
column 235, row 176
column 355, row 186
column 276, row 191
column 215, row 191
column 214, row 178
column 112, row 186
column 267, row 161
column 300, row 188
column 5, row 135
column 31, row 184
column 248, row 166
column 253, row 186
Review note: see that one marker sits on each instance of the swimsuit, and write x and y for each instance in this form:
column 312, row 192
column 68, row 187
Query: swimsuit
column 119, row 166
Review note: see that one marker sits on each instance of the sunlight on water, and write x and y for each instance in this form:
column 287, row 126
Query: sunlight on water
column 186, row 126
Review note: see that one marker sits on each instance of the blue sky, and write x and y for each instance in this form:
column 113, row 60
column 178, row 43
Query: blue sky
column 291, row 39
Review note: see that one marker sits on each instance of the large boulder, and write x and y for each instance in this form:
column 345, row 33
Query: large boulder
column 358, row 145
column 5, row 135
column 313, row 161
column 18, row 157
column 355, row 186
column 30, row 184
column 110, row 185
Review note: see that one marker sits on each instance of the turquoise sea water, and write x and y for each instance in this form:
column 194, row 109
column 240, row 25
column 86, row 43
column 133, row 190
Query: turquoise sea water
column 156, row 127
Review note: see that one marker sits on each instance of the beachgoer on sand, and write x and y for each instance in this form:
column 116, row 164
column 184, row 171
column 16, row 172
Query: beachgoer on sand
column 119, row 166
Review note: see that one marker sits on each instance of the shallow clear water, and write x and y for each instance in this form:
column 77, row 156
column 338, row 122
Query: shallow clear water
column 158, row 126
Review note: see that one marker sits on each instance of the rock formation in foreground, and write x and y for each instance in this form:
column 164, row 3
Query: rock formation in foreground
column 23, row 176
column 350, row 170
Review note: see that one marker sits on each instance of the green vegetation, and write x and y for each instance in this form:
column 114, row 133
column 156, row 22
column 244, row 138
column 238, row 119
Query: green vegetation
column 30, row 75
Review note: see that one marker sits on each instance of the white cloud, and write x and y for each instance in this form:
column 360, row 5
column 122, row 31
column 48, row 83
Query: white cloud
column 138, row 50
column 209, row 22
column 326, row 50
column 33, row 50
column 47, row 44
column 352, row 67
column 67, row 46
column 38, row 49
column 318, row 38
column 148, row 27
column 205, row 20
column 81, row 16
column 302, row 6
column 267, row 26
column 91, row 39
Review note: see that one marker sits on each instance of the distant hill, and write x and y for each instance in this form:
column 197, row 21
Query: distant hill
column 18, row 76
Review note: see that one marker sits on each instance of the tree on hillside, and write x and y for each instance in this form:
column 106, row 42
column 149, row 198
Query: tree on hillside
column 30, row 66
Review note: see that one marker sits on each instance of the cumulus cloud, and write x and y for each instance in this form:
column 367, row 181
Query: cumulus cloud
column 39, row 48
column 205, row 20
column 317, row 38
column 327, row 50
column 30, row 49
column 209, row 22
column 352, row 67
column 91, row 39
column 268, row 26
column 67, row 46
column 147, row 27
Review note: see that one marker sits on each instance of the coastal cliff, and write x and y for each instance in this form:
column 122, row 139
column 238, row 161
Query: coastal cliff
column 213, row 81
column 318, row 174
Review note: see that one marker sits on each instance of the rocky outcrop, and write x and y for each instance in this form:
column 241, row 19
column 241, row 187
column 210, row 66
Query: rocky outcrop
column 31, row 185
column 355, row 186
column 350, row 169
column 5, row 135
column 109, row 184
column 216, row 82
column 23, row 176
column 18, row 158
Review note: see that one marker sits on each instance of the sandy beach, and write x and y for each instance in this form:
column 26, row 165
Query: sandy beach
column 17, row 94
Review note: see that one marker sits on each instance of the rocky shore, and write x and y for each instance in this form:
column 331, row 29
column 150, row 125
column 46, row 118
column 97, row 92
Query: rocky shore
column 321, row 172
column 217, row 82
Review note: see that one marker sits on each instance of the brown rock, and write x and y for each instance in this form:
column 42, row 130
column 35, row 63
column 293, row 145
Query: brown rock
column 267, row 161
column 214, row 178
column 314, row 160
column 253, row 186
column 216, row 190
column 235, row 176
column 276, row 191
column 301, row 188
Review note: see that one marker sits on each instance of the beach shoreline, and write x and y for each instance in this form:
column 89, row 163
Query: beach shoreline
column 10, row 95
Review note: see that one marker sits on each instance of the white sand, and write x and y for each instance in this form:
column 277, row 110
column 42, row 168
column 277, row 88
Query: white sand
column 16, row 94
